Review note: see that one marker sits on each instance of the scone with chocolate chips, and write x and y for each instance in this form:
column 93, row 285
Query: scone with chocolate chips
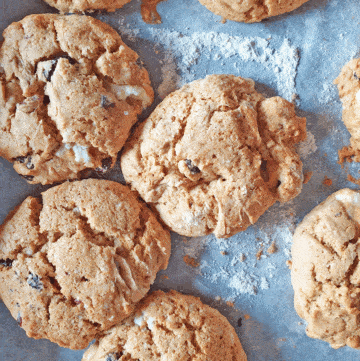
column 76, row 262
column 325, row 270
column 75, row 6
column 251, row 11
column 172, row 327
column 70, row 92
column 215, row 155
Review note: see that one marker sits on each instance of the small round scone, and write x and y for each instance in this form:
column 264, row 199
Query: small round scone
column 75, row 263
column 348, row 83
column 325, row 271
column 215, row 155
column 70, row 92
column 75, row 6
column 250, row 11
column 172, row 327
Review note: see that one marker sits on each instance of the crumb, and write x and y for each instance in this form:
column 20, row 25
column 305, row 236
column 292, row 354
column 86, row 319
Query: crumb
column 300, row 323
column 327, row 181
column 164, row 277
column 307, row 177
column 259, row 254
column 191, row 261
column 353, row 180
column 217, row 298
column 149, row 13
column 325, row 154
column 272, row 249
column 282, row 339
column 289, row 264
column 223, row 253
column 242, row 257
column 345, row 154
column 247, row 317
column 223, row 20
column 230, row 304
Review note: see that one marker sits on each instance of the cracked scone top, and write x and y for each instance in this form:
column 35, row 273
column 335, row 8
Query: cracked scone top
column 76, row 262
column 172, row 327
column 73, row 6
column 325, row 270
column 70, row 92
column 348, row 83
column 251, row 11
column 215, row 155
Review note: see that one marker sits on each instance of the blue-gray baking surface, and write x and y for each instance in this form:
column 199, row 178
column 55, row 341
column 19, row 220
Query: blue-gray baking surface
column 297, row 56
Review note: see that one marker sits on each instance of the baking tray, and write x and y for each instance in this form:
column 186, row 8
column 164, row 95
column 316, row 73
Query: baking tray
column 297, row 56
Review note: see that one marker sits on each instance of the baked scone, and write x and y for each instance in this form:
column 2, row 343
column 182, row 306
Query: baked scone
column 77, row 261
column 325, row 270
column 172, row 327
column 215, row 155
column 75, row 6
column 251, row 11
column 348, row 83
column 70, row 92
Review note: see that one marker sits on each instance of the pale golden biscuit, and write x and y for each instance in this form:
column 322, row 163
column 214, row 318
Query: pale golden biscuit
column 251, row 11
column 76, row 262
column 325, row 270
column 172, row 327
column 215, row 155
column 70, row 92
column 74, row 6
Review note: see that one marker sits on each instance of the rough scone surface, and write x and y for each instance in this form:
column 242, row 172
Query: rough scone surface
column 251, row 11
column 325, row 270
column 214, row 155
column 76, row 262
column 172, row 327
column 348, row 83
column 73, row 6
column 70, row 92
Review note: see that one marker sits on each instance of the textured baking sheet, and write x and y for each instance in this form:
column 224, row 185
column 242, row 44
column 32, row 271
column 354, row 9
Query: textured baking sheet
column 299, row 53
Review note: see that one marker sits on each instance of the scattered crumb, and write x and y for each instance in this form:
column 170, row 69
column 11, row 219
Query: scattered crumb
column 149, row 13
column 230, row 304
column 247, row 317
column 259, row 254
column 282, row 339
column 300, row 323
column 223, row 20
column 353, row 180
column 164, row 277
column 307, row 177
column 327, row 181
column 191, row 261
column 289, row 264
column 242, row 257
column 223, row 253
column 345, row 154
column 217, row 298
column 325, row 154
column 272, row 249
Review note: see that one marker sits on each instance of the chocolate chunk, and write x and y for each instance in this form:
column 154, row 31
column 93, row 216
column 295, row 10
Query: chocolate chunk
column 21, row 159
column 356, row 77
column 46, row 100
column 114, row 356
column 106, row 164
column 278, row 184
column 239, row 323
column 139, row 63
column 19, row 319
column 6, row 262
column 49, row 73
column 106, row 103
column 192, row 168
column 34, row 282
column 27, row 177
column 26, row 160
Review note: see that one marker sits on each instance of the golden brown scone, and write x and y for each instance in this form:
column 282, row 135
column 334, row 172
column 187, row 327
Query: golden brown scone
column 70, row 90
column 76, row 262
column 172, row 327
column 215, row 155
column 325, row 270
column 75, row 6
column 251, row 11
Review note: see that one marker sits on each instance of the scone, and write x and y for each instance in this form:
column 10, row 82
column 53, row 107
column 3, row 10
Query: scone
column 172, row 327
column 70, row 92
column 77, row 261
column 215, row 155
column 251, row 11
column 348, row 83
column 325, row 270
column 74, row 6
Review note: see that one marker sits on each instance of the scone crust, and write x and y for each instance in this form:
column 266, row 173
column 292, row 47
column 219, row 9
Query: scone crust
column 325, row 271
column 251, row 11
column 70, row 90
column 77, row 261
column 75, row 6
column 214, row 155
column 173, row 327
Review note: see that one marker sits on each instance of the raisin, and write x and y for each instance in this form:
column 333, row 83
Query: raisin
column 106, row 164
column 27, row 177
column 106, row 103
column 113, row 356
column 192, row 168
column 19, row 319
column 34, row 282
column 6, row 262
